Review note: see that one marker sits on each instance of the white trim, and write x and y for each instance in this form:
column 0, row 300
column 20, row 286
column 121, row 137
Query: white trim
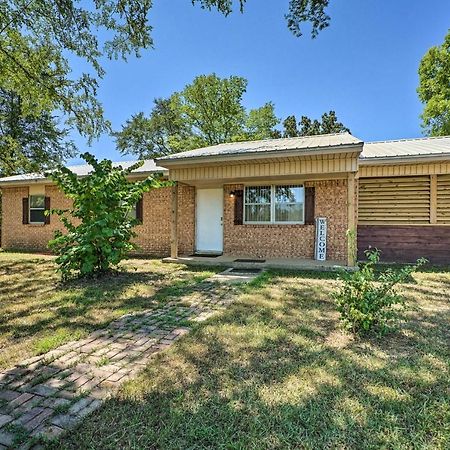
column 35, row 209
column 272, row 205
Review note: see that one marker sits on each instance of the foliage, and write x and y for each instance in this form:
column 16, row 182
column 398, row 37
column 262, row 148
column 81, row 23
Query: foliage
column 312, row 11
column 307, row 127
column 102, row 201
column 39, row 37
column 29, row 143
column 208, row 111
column 367, row 301
column 434, row 89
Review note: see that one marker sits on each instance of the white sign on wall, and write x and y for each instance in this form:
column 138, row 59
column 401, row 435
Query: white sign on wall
column 320, row 248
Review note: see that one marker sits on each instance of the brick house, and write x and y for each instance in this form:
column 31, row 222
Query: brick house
column 261, row 199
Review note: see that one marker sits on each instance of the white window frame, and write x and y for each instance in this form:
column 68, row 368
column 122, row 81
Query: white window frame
column 30, row 208
column 272, row 205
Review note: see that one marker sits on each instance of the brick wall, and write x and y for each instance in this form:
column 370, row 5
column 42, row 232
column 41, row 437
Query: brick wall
column 291, row 241
column 153, row 234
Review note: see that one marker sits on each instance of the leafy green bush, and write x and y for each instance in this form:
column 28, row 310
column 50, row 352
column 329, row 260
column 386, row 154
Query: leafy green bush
column 369, row 301
column 100, row 236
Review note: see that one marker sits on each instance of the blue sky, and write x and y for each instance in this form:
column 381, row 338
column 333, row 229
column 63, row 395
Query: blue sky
column 364, row 66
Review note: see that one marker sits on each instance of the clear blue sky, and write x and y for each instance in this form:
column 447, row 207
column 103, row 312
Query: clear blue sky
column 364, row 66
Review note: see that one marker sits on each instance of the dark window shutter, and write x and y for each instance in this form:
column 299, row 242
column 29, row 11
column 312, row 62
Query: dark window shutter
column 239, row 207
column 140, row 210
column 47, row 208
column 309, row 205
column 25, row 210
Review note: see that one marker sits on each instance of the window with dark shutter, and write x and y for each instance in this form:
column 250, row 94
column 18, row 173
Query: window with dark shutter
column 310, row 193
column 238, row 207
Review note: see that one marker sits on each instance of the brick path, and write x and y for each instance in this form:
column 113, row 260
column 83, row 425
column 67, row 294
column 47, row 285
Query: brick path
column 46, row 395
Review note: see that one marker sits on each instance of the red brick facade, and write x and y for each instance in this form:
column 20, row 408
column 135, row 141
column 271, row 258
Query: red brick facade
column 291, row 241
column 153, row 235
column 268, row 241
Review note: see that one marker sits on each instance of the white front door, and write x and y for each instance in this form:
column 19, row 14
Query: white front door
column 209, row 226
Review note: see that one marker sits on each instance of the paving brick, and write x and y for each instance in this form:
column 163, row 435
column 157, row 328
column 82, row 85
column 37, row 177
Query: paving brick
column 129, row 342
column 22, row 398
column 48, row 432
column 43, row 389
column 29, row 415
column 65, row 421
column 9, row 395
column 79, row 405
column 4, row 419
column 6, row 438
column 37, row 420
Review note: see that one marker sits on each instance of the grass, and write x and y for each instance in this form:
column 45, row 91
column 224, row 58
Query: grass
column 274, row 371
column 38, row 313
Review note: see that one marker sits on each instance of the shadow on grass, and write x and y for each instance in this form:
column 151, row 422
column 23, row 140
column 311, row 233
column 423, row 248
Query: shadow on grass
column 273, row 371
column 37, row 311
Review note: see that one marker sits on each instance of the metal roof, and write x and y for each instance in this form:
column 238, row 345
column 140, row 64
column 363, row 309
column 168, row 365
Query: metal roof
column 418, row 147
column 389, row 151
column 149, row 166
column 303, row 144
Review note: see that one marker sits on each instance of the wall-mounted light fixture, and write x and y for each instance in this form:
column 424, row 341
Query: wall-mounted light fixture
column 232, row 194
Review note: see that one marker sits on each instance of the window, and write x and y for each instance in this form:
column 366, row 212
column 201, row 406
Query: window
column 37, row 208
column 131, row 214
column 274, row 204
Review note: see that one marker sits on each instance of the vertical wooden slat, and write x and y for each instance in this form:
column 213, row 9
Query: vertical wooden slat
column 433, row 198
column 25, row 210
column 174, row 223
column 310, row 205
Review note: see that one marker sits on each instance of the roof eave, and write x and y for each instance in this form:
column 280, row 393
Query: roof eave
column 12, row 183
column 382, row 160
column 260, row 155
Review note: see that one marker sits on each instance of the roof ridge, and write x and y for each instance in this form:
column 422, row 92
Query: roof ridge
column 274, row 139
column 423, row 138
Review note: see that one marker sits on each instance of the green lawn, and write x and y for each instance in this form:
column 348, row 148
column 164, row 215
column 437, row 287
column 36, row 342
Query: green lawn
column 37, row 313
column 273, row 371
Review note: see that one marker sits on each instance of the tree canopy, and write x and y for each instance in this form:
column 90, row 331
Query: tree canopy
column 206, row 112
column 29, row 143
column 434, row 89
column 39, row 38
column 308, row 127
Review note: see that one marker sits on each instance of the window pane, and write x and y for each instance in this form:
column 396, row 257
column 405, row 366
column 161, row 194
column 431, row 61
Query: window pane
column 132, row 213
column 257, row 194
column 37, row 216
column 289, row 194
column 288, row 213
column 37, row 201
column 257, row 213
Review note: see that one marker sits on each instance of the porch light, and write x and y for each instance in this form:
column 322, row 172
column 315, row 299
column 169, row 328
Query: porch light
column 232, row 194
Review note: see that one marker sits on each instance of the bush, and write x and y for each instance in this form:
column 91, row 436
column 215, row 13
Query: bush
column 368, row 301
column 102, row 201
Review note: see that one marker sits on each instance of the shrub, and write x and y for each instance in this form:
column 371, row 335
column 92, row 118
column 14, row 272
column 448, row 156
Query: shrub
column 369, row 301
column 102, row 201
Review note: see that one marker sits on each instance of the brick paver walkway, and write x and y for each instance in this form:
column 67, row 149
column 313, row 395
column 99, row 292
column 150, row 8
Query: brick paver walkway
column 49, row 394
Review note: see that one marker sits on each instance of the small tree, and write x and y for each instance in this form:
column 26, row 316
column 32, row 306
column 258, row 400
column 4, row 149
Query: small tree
column 102, row 202
column 367, row 301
